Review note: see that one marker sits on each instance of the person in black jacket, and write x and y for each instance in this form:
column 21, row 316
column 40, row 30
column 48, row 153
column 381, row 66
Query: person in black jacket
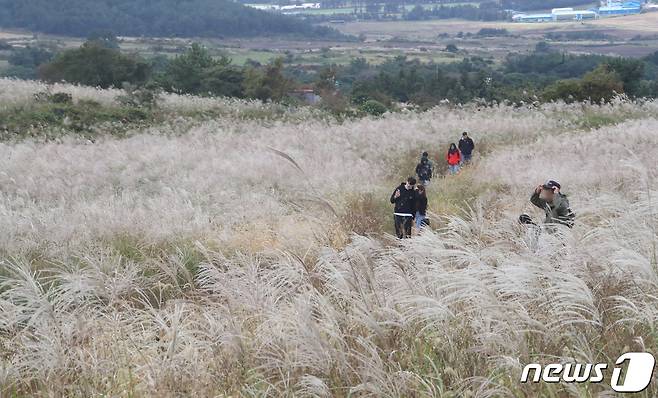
column 466, row 146
column 421, row 207
column 404, row 198
column 424, row 169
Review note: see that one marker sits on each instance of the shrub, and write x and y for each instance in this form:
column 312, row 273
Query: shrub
column 491, row 32
column 373, row 107
column 138, row 97
column 601, row 84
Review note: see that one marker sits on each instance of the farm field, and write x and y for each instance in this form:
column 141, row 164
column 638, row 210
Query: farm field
column 629, row 25
column 622, row 32
column 236, row 248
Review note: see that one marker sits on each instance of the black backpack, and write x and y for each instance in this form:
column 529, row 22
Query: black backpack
column 425, row 170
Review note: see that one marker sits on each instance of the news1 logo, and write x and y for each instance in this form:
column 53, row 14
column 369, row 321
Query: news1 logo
column 638, row 374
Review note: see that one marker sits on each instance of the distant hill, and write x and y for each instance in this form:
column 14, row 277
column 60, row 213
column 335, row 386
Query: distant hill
column 167, row 18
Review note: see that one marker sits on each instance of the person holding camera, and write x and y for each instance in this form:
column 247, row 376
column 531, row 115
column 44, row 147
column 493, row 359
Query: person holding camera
column 554, row 203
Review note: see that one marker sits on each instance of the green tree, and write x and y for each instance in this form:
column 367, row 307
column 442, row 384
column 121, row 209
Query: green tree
column 326, row 80
column 197, row 72
column 95, row 65
column 568, row 90
column 652, row 58
column 602, row 84
column 630, row 71
column 223, row 80
column 25, row 61
column 268, row 82
column 186, row 72
column 373, row 107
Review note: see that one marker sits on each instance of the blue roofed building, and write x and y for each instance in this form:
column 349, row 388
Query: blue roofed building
column 617, row 8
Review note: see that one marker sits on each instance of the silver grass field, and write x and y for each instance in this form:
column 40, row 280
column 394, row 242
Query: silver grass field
column 243, row 256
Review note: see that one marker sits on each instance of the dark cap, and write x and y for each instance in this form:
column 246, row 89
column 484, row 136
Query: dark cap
column 551, row 184
column 465, row 133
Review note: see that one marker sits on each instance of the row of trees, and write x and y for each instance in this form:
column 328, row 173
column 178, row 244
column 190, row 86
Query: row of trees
column 486, row 11
column 527, row 5
column 97, row 63
column 546, row 74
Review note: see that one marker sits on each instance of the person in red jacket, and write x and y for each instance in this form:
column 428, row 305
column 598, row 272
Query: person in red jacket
column 454, row 158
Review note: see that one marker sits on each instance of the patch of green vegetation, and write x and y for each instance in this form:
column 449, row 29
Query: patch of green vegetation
column 241, row 57
column 58, row 114
column 367, row 213
column 592, row 120
column 177, row 261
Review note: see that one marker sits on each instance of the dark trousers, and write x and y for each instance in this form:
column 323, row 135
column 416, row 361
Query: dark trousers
column 403, row 226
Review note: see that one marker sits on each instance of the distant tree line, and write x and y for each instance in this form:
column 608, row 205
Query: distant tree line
column 527, row 5
column 486, row 11
column 164, row 18
column 98, row 63
column 542, row 75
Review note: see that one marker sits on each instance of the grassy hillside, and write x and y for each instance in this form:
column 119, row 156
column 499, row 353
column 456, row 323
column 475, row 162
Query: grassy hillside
column 159, row 18
column 232, row 248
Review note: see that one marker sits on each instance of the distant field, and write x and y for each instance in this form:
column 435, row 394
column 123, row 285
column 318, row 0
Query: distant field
column 4, row 35
column 617, row 33
column 428, row 30
column 420, row 30
column 643, row 23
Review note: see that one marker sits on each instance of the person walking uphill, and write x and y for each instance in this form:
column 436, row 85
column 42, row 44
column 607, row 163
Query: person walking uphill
column 404, row 198
column 466, row 146
column 554, row 203
column 424, row 169
column 454, row 158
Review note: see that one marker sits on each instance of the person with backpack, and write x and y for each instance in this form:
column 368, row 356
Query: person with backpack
column 404, row 197
column 424, row 169
column 554, row 203
column 421, row 207
column 454, row 159
column 466, row 146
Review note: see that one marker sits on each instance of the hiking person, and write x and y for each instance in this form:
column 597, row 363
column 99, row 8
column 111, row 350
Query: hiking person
column 421, row 207
column 404, row 198
column 466, row 146
column 454, row 158
column 424, row 169
column 554, row 203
